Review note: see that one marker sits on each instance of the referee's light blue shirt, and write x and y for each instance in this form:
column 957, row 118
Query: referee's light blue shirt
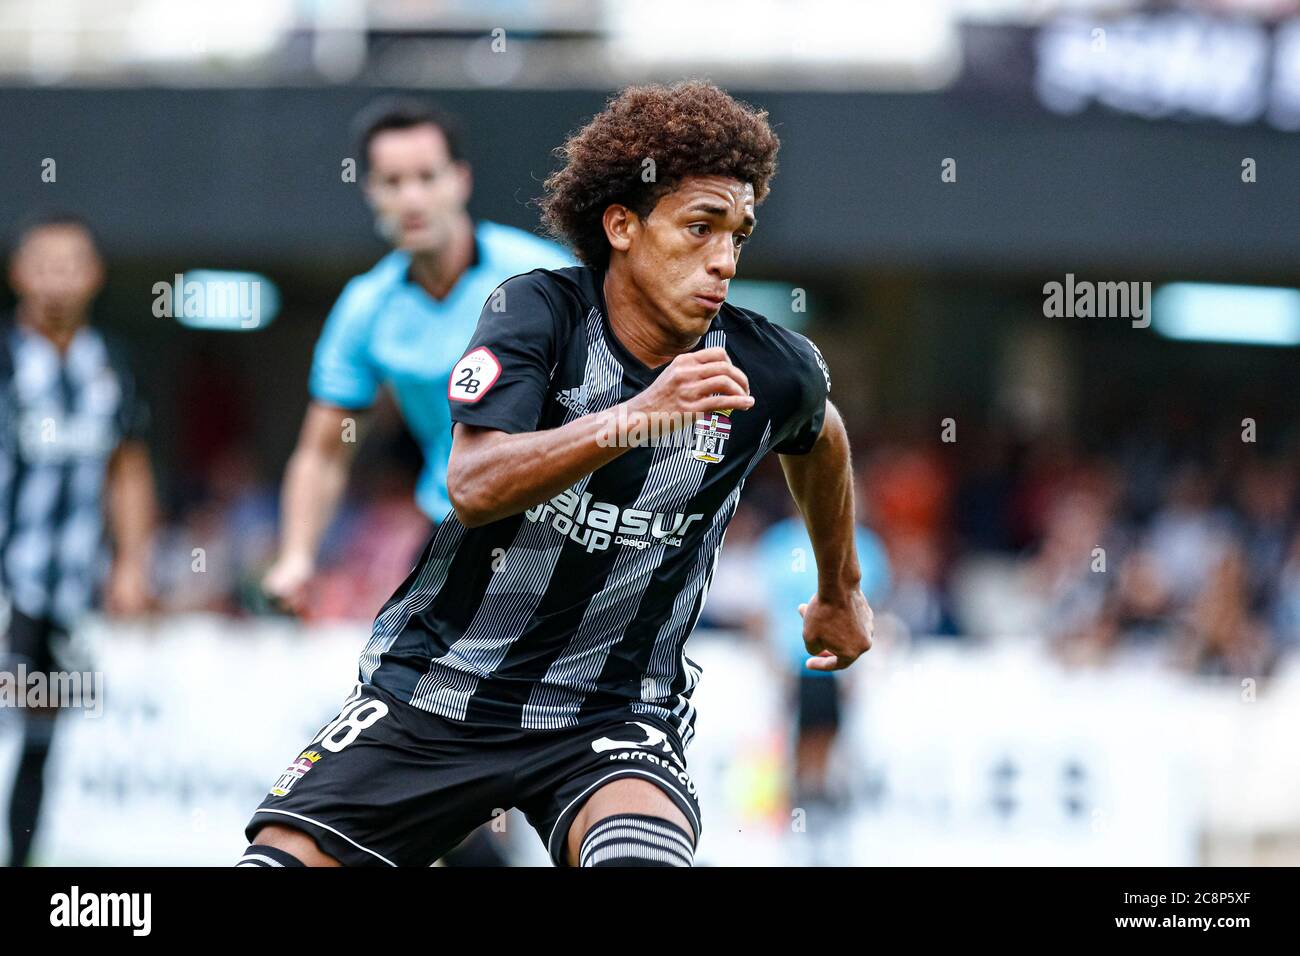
column 385, row 328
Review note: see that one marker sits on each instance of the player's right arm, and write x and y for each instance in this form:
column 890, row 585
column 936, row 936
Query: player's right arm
column 501, row 464
column 314, row 481
column 493, row 474
column 343, row 383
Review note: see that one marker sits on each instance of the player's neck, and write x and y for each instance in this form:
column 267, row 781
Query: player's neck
column 639, row 326
column 437, row 271
column 58, row 333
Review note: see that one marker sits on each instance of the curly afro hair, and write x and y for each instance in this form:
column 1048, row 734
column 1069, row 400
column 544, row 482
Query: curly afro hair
column 691, row 128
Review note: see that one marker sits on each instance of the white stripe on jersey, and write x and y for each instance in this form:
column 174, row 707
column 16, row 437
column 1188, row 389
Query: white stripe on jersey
column 432, row 577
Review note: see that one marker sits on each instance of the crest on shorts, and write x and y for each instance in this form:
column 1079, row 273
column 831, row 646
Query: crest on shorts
column 295, row 772
column 710, row 438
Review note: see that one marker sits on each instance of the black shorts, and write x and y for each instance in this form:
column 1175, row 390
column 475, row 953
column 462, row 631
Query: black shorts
column 389, row 783
column 819, row 702
column 30, row 641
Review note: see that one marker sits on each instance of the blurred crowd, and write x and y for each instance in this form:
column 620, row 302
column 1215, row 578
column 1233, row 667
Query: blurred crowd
column 1136, row 553
column 214, row 552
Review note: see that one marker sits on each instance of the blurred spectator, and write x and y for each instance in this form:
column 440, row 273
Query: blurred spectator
column 907, row 491
column 1285, row 611
column 1068, row 571
column 1226, row 638
column 1188, row 536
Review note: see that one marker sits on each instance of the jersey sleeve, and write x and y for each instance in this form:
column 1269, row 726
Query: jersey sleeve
column 502, row 379
column 134, row 415
column 814, row 384
column 341, row 371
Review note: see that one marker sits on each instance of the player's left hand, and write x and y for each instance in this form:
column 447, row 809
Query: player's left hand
column 837, row 630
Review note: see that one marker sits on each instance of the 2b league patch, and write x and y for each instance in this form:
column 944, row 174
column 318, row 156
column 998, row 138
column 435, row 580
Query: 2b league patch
column 473, row 375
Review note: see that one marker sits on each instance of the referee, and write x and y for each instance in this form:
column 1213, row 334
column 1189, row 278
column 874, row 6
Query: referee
column 72, row 448
column 402, row 325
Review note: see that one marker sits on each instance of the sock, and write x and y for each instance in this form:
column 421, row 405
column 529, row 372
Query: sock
column 636, row 839
column 259, row 854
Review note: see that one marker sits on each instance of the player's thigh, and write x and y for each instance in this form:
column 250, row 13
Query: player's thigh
column 624, row 795
column 294, row 842
column 569, row 780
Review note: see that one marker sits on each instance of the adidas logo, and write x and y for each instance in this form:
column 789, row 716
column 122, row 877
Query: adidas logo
column 571, row 398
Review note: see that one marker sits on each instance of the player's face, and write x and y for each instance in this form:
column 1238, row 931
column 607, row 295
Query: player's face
column 684, row 254
column 415, row 188
column 56, row 271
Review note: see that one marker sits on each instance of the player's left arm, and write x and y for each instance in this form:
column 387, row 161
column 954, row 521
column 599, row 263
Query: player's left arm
column 837, row 621
column 132, row 509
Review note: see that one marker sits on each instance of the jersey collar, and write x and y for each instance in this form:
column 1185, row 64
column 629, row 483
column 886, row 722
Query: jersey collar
column 476, row 259
column 630, row 362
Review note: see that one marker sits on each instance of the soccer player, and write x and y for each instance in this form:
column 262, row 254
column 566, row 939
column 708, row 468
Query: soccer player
column 606, row 419
column 72, row 430
column 403, row 323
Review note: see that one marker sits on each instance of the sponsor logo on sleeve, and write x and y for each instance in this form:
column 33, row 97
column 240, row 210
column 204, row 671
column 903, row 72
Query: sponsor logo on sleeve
column 473, row 375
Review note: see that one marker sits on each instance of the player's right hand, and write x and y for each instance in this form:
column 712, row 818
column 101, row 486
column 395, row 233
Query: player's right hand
column 287, row 581
column 693, row 384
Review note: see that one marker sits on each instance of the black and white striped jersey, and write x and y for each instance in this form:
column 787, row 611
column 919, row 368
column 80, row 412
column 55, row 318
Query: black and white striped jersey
column 61, row 418
column 584, row 603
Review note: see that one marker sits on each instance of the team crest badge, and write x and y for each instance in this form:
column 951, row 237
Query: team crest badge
column 711, row 436
column 295, row 772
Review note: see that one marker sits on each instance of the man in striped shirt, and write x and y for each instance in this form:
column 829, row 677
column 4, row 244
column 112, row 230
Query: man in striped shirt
column 606, row 418
column 72, row 428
